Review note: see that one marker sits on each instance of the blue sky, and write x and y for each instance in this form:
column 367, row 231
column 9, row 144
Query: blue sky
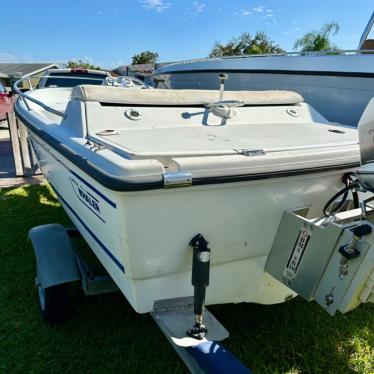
column 108, row 33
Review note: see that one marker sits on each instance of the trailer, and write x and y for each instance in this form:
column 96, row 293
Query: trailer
column 59, row 262
column 327, row 259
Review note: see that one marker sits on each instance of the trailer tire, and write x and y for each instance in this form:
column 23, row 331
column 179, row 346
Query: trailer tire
column 54, row 303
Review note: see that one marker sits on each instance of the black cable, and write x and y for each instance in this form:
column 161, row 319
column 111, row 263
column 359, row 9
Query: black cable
column 350, row 185
column 347, row 179
column 356, row 200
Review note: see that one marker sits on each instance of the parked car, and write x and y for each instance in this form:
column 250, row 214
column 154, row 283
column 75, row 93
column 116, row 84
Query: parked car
column 72, row 77
column 6, row 102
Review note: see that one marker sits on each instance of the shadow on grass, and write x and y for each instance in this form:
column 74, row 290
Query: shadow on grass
column 105, row 335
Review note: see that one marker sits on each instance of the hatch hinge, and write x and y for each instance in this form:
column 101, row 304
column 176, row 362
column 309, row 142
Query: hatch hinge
column 251, row 152
column 177, row 179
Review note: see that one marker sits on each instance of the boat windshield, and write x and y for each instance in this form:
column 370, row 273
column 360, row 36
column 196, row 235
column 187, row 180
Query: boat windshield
column 73, row 79
column 367, row 38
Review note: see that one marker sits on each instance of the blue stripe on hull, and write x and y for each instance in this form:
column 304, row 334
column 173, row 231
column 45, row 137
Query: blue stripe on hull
column 110, row 202
column 98, row 241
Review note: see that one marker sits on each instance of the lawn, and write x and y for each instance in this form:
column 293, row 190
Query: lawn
column 104, row 335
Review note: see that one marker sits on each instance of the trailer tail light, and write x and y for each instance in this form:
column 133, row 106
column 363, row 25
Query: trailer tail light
column 79, row 70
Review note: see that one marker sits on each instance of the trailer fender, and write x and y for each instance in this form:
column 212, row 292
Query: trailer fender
column 55, row 258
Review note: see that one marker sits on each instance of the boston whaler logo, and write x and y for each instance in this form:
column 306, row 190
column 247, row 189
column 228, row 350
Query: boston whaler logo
column 87, row 198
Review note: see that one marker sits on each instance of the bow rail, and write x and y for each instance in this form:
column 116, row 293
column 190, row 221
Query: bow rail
column 24, row 96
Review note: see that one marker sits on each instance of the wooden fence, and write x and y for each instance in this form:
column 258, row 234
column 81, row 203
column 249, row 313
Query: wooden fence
column 24, row 157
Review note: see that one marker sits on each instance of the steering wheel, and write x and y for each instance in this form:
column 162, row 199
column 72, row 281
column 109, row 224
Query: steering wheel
column 125, row 82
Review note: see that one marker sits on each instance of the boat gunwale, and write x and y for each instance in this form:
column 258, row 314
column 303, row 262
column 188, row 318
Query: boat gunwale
column 268, row 71
column 123, row 184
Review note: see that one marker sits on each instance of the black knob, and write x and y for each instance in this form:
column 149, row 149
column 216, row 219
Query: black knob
column 200, row 261
column 361, row 230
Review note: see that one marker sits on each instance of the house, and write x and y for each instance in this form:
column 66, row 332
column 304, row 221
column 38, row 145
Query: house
column 10, row 72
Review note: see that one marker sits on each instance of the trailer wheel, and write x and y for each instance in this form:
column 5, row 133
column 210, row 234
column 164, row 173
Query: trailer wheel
column 54, row 303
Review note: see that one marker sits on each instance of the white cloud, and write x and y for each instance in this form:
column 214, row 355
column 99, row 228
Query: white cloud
column 9, row 57
column 157, row 5
column 100, row 12
column 193, row 11
column 245, row 12
column 88, row 59
column 288, row 32
column 265, row 13
column 199, row 7
column 294, row 22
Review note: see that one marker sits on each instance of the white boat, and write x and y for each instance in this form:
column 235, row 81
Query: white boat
column 141, row 172
column 338, row 84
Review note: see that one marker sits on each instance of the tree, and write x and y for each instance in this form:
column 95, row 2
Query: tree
column 318, row 40
column 147, row 57
column 80, row 64
column 245, row 44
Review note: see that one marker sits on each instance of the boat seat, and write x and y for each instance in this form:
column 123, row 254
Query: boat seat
column 165, row 97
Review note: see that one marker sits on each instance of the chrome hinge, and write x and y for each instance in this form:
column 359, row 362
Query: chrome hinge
column 177, row 179
column 251, row 152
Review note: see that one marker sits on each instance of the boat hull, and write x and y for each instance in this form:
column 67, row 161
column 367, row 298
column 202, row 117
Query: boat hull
column 338, row 86
column 142, row 237
column 339, row 99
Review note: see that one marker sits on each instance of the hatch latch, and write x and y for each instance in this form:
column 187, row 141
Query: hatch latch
column 250, row 152
column 177, row 179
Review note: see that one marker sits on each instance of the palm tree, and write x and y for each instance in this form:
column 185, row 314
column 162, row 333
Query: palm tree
column 318, row 40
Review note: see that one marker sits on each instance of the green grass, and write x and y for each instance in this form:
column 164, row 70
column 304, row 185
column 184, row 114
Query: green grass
column 104, row 335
